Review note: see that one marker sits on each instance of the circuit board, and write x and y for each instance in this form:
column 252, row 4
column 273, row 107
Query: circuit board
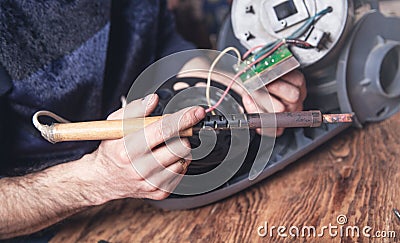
column 268, row 69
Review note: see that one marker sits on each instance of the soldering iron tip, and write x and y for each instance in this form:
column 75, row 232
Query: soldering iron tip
column 338, row 118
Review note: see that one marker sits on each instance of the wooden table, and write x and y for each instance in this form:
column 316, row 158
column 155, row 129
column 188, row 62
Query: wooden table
column 356, row 174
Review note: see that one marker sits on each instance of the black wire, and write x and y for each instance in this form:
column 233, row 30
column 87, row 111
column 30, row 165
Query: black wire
column 299, row 43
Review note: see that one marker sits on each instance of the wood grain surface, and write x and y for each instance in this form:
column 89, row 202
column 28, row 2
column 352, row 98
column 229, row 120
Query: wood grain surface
column 356, row 174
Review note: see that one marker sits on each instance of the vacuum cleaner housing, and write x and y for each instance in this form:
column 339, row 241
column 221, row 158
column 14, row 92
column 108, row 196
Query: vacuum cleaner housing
column 355, row 67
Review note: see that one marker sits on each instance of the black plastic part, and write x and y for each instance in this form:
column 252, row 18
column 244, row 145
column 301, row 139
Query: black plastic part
column 285, row 9
column 166, row 92
column 294, row 144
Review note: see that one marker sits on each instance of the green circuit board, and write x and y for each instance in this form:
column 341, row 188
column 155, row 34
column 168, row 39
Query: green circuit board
column 281, row 54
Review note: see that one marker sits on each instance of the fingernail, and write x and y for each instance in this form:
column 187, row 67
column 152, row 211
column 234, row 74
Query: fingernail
column 200, row 113
column 148, row 99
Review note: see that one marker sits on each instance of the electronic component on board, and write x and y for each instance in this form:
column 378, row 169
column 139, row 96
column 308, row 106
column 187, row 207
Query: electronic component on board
column 268, row 69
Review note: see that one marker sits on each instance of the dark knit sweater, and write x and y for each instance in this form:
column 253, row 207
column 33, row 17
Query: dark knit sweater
column 76, row 58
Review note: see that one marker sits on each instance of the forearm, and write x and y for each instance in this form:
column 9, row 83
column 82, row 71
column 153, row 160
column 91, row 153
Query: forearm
column 119, row 168
column 35, row 201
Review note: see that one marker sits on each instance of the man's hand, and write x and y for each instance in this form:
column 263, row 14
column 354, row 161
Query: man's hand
column 287, row 94
column 142, row 165
column 32, row 202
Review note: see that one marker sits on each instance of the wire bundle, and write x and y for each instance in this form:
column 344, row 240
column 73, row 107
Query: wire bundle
column 266, row 50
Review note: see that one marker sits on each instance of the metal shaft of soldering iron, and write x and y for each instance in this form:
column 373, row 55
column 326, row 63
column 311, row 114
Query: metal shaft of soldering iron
column 298, row 119
column 272, row 120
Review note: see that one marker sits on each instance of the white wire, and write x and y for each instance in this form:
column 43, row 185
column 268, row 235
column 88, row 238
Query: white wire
column 46, row 130
column 214, row 63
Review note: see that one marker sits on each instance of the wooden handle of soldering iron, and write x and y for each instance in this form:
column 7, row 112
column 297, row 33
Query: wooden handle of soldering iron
column 102, row 130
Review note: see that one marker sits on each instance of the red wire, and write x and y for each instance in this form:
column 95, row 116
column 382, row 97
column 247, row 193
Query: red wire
column 240, row 73
column 251, row 50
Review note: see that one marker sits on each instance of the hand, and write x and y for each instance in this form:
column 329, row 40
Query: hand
column 287, row 94
column 132, row 167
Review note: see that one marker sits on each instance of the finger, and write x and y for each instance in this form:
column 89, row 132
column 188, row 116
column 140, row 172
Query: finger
column 170, row 126
column 286, row 92
column 163, row 156
column 294, row 107
column 252, row 107
column 260, row 101
column 250, row 104
column 170, row 177
column 157, row 195
column 141, row 108
column 273, row 105
column 291, row 103
column 171, row 183
column 179, row 167
column 297, row 79
column 290, row 106
column 176, row 148
column 143, row 141
column 137, row 108
column 263, row 100
column 270, row 132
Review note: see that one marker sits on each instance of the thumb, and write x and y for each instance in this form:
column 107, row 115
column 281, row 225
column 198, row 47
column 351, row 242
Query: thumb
column 137, row 108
